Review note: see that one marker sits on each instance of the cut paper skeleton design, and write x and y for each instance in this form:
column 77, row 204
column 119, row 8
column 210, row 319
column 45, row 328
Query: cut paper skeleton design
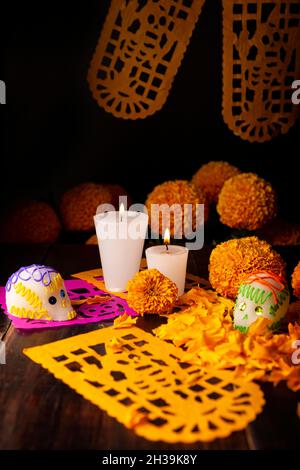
column 38, row 292
column 138, row 54
column 261, row 294
column 145, row 384
column 143, row 42
column 261, row 59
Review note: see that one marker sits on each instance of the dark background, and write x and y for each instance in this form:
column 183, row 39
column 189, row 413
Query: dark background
column 55, row 135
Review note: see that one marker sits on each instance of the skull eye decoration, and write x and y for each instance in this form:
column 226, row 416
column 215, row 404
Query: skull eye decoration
column 52, row 300
column 261, row 295
column 259, row 310
column 38, row 292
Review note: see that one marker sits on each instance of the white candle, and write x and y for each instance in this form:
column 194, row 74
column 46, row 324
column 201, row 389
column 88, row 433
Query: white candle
column 121, row 237
column 170, row 260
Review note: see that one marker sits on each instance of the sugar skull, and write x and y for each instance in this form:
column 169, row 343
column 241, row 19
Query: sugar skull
column 262, row 294
column 38, row 292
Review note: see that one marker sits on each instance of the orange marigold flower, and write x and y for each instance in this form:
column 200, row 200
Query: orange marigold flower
column 178, row 192
column 234, row 259
column 151, row 292
column 211, row 177
column 246, row 202
column 31, row 222
column 296, row 280
column 281, row 233
column 79, row 205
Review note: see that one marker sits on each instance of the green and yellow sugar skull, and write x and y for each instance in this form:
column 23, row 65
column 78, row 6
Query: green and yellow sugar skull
column 262, row 294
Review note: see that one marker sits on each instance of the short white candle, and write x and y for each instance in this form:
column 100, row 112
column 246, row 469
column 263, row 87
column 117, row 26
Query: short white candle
column 121, row 237
column 170, row 260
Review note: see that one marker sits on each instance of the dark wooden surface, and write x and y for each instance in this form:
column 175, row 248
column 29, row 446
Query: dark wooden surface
column 39, row 412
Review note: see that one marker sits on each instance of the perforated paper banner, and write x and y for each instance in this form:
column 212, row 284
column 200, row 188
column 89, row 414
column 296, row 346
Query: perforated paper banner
column 95, row 277
column 139, row 51
column 91, row 304
column 143, row 383
column 261, row 59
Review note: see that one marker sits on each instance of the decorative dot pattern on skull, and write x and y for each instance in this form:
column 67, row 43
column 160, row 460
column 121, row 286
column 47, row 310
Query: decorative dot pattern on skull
column 139, row 52
column 35, row 272
column 147, row 386
column 261, row 59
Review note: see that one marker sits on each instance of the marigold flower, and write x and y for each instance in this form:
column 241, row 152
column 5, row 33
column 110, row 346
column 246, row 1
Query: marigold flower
column 179, row 193
column 246, row 202
column 79, row 204
column 233, row 260
column 31, row 222
column 151, row 292
column 211, row 177
column 296, row 280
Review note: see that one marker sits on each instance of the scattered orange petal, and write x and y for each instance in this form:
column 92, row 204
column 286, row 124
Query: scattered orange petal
column 97, row 299
column 124, row 321
column 135, row 419
column 204, row 328
column 115, row 344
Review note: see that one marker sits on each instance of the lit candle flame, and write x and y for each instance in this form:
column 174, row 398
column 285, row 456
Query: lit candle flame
column 122, row 209
column 167, row 238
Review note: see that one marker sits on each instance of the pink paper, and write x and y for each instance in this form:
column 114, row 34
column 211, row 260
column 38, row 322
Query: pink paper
column 86, row 313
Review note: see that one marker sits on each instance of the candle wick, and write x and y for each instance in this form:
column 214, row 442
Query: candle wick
column 167, row 247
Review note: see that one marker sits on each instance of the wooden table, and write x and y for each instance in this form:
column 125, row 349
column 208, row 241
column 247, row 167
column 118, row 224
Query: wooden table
column 39, row 412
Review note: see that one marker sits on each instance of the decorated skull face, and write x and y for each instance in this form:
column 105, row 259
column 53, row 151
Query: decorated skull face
column 38, row 292
column 262, row 294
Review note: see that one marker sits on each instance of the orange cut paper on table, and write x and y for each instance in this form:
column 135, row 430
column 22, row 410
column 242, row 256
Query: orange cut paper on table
column 143, row 383
column 261, row 59
column 138, row 54
column 95, row 277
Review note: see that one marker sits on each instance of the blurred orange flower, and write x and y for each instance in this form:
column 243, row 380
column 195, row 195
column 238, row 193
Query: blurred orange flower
column 247, row 202
column 211, row 177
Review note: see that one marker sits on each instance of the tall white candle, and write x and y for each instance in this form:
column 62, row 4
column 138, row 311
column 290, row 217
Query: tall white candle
column 121, row 237
column 170, row 260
